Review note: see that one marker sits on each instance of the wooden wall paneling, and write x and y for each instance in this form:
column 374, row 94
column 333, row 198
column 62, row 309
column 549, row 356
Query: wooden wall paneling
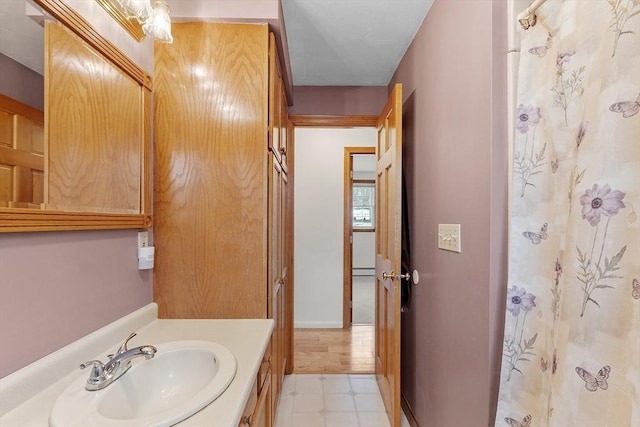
column 95, row 164
column 211, row 188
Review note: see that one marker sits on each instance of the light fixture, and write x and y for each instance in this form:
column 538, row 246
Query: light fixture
column 155, row 19
column 158, row 24
column 138, row 9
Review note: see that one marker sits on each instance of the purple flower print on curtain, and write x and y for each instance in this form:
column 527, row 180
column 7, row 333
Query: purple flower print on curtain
column 593, row 273
column 600, row 201
column 527, row 164
column 528, row 115
column 516, row 347
column 519, row 299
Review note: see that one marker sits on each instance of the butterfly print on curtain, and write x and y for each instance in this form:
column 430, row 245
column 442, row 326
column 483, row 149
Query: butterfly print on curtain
column 534, row 237
column 526, row 421
column 626, row 108
column 591, row 382
column 541, row 51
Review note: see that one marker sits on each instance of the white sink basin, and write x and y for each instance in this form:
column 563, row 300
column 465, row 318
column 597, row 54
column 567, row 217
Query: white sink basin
column 182, row 378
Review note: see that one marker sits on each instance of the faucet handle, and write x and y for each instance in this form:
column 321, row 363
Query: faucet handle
column 123, row 347
column 97, row 370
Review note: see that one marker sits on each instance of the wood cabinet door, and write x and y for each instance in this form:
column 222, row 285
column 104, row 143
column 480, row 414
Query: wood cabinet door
column 211, row 182
column 275, row 276
column 285, row 272
column 388, row 253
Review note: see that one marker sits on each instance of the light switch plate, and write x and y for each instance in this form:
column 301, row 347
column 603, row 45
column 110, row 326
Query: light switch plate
column 449, row 237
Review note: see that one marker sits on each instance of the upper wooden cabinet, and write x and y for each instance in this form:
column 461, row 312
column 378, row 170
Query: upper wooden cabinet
column 222, row 193
column 211, row 111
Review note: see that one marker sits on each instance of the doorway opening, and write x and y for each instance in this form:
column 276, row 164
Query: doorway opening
column 315, row 222
column 323, row 342
column 360, row 228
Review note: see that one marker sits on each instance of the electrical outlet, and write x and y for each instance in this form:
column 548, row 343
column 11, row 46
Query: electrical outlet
column 449, row 237
column 143, row 239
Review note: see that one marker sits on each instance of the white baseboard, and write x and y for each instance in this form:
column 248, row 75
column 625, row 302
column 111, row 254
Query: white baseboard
column 363, row 272
column 316, row 325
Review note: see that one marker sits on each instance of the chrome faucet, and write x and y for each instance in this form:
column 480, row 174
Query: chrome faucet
column 104, row 374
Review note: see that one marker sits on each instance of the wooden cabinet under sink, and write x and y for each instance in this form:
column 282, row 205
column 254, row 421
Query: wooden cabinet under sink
column 257, row 411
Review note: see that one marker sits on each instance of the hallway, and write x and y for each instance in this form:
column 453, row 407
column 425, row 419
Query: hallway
column 334, row 351
column 333, row 384
column 332, row 400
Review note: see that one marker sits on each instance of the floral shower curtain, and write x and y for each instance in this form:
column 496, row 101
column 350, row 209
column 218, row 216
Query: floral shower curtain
column 571, row 354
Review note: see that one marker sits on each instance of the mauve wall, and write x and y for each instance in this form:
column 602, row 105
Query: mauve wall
column 21, row 83
column 455, row 160
column 57, row 287
column 338, row 100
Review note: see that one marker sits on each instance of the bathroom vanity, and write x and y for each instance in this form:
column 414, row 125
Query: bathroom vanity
column 28, row 395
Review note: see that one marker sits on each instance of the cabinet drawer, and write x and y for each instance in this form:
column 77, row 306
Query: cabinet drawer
column 263, row 372
column 250, row 407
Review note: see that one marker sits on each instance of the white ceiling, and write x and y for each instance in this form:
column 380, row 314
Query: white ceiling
column 331, row 42
column 349, row 42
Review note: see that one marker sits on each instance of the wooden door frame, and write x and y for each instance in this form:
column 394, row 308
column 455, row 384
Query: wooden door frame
column 347, row 226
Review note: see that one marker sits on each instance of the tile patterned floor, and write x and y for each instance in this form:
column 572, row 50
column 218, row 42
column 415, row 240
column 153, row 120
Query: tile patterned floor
column 331, row 401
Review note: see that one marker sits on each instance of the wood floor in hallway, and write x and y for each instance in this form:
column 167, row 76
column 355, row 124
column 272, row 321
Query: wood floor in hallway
column 335, row 351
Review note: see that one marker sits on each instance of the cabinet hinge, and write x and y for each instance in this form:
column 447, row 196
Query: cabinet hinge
column 351, row 239
column 350, row 304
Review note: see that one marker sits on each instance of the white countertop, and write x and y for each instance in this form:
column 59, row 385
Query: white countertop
column 26, row 397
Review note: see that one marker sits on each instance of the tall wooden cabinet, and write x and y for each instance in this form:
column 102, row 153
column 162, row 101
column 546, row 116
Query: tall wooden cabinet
column 223, row 227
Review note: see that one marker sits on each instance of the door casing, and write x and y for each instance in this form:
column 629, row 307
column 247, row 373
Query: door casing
column 347, row 242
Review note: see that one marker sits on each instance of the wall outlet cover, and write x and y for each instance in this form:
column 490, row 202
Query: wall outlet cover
column 143, row 239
